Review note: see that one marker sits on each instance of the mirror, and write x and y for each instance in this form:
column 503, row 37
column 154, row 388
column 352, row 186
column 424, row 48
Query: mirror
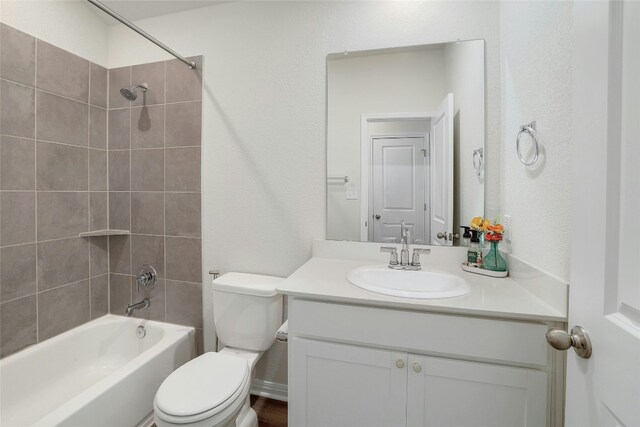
column 405, row 142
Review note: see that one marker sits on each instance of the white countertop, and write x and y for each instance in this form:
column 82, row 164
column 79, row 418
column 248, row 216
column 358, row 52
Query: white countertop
column 325, row 279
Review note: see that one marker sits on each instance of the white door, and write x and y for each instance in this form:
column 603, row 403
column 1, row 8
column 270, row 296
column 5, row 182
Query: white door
column 604, row 390
column 456, row 393
column 441, row 161
column 341, row 385
column 398, row 188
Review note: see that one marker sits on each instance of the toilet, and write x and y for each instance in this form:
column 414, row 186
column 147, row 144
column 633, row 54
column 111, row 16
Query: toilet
column 213, row 389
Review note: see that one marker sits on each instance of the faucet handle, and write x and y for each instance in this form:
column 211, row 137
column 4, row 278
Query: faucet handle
column 415, row 258
column 394, row 254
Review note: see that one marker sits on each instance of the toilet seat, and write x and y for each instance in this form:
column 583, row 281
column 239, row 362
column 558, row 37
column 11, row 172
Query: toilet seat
column 211, row 388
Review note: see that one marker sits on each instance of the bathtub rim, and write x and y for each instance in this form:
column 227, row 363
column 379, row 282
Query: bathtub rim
column 176, row 333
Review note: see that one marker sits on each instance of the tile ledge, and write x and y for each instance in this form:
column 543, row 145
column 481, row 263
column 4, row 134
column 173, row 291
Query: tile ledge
column 104, row 233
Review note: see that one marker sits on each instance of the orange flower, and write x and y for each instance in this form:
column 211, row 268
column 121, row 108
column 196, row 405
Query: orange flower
column 496, row 228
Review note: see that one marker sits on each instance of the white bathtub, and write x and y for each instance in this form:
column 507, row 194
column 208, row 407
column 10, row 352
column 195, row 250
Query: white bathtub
column 98, row 374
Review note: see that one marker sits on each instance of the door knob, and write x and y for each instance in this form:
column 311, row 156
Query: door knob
column 417, row 368
column 441, row 236
column 578, row 339
column 400, row 363
column 377, row 216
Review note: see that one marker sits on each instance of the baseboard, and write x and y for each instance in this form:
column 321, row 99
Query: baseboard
column 147, row 422
column 269, row 389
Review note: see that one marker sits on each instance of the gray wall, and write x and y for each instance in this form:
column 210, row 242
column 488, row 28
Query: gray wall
column 154, row 190
column 53, row 181
column 68, row 164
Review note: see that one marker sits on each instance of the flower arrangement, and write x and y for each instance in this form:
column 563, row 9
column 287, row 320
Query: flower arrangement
column 491, row 230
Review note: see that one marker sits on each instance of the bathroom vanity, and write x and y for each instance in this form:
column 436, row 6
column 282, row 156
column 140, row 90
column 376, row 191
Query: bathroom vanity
column 359, row 358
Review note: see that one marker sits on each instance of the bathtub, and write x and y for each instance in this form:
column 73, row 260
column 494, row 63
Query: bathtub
column 98, row 374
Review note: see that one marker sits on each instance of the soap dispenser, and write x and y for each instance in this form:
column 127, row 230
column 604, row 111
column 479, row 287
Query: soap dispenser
column 474, row 254
column 466, row 236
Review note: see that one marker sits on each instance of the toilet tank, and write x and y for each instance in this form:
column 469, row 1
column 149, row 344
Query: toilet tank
column 247, row 310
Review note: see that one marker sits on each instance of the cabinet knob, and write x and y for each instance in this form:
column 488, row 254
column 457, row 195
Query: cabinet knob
column 417, row 368
column 400, row 363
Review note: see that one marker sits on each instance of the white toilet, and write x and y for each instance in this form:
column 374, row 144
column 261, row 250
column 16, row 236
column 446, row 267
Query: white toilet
column 213, row 389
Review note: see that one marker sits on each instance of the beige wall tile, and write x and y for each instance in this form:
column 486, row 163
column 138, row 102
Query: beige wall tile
column 18, row 272
column 97, row 128
column 17, row 325
column 98, row 85
column 184, row 259
column 147, row 127
column 120, row 254
column 182, row 212
column 17, row 55
column 62, row 261
column 183, row 83
column 182, row 169
column 17, row 163
column 147, row 213
column 62, row 214
column 147, row 173
column 17, row 109
column 119, row 124
column 119, row 293
column 184, row 303
column 147, row 250
column 118, row 78
column 184, row 124
column 63, row 308
column 61, row 120
column 99, row 295
column 17, row 217
column 61, row 167
column 62, row 72
column 119, row 210
column 153, row 75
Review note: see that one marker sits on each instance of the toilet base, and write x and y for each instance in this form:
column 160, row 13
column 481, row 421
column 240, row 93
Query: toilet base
column 247, row 416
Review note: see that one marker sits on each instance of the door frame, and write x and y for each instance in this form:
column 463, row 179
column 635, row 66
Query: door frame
column 365, row 157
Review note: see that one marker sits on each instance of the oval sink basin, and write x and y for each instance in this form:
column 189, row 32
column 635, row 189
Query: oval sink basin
column 408, row 284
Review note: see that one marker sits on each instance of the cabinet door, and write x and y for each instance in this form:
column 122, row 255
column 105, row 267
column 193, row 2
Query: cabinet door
column 333, row 385
column 443, row 392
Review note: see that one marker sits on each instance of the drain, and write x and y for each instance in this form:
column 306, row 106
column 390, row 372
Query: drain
column 141, row 331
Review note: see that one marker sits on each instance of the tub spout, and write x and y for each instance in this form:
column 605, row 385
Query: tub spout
column 145, row 303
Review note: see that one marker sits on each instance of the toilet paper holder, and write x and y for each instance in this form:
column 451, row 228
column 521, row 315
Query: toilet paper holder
column 283, row 332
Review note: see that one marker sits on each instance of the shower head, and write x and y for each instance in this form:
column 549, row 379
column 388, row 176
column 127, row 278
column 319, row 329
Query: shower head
column 131, row 93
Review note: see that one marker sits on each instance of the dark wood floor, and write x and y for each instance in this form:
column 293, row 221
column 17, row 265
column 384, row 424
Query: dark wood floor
column 271, row 413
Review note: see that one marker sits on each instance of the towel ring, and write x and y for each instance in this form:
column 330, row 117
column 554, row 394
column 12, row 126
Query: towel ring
column 478, row 160
column 529, row 129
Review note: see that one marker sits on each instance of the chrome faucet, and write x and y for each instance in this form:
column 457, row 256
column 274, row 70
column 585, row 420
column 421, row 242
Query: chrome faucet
column 144, row 304
column 405, row 239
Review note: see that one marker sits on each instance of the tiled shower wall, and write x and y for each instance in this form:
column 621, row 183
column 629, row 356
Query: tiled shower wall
column 154, row 189
column 59, row 176
column 53, row 186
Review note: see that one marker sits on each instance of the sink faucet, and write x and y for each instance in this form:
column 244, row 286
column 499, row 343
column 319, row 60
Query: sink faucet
column 405, row 239
column 145, row 303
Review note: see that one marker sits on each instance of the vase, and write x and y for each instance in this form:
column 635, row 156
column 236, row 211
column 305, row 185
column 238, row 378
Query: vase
column 493, row 260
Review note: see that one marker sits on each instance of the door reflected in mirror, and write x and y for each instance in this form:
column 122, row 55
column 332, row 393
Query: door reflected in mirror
column 405, row 137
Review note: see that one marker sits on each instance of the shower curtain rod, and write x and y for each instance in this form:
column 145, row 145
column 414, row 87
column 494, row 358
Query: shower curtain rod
column 138, row 30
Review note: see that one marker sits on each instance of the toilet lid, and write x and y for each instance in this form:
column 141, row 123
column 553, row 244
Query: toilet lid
column 204, row 383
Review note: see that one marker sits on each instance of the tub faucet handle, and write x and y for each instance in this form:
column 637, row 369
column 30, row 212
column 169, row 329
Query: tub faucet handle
column 147, row 277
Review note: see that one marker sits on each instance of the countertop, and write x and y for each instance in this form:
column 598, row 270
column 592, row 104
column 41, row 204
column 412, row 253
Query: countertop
column 325, row 279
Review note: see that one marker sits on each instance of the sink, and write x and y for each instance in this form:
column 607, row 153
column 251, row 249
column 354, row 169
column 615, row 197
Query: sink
column 421, row 284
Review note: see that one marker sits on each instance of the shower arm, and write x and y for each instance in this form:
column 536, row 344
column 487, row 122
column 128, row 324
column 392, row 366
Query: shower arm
column 143, row 33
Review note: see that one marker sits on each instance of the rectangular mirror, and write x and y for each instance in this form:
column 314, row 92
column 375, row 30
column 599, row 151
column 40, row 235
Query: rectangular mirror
column 405, row 142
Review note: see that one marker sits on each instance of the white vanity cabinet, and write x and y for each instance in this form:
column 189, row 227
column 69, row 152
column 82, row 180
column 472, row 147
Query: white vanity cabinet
column 354, row 365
